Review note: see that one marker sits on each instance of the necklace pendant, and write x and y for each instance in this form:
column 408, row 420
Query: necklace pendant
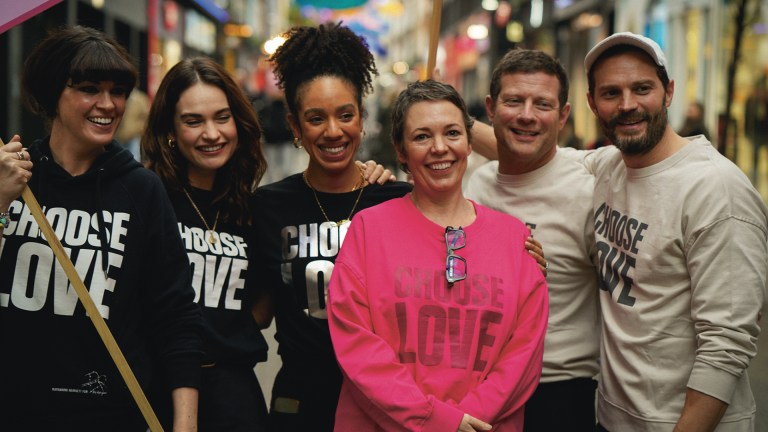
column 343, row 222
column 208, row 229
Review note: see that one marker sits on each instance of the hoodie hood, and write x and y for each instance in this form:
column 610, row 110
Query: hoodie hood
column 114, row 162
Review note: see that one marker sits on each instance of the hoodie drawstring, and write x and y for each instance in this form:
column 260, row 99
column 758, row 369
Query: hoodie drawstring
column 100, row 229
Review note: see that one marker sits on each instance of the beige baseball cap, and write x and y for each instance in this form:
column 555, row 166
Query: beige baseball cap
column 626, row 38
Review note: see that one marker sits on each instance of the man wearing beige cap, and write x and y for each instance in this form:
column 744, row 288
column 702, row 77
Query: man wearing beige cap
column 682, row 239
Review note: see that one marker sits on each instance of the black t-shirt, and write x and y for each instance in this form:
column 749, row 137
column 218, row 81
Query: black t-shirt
column 297, row 251
column 224, row 288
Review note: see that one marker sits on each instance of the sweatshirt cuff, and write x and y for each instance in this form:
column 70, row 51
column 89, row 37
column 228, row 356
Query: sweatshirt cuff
column 444, row 417
column 184, row 373
column 712, row 382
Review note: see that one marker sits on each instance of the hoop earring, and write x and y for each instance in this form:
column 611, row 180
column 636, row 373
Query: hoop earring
column 171, row 143
column 297, row 143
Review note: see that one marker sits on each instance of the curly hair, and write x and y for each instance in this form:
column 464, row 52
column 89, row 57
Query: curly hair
column 238, row 178
column 326, row 50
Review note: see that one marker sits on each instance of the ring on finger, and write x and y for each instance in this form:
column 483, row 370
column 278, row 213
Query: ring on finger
column 20, row 155
column 546, row 264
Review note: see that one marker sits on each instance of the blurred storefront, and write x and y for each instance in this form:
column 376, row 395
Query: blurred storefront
column 578, row 26
column 181, row 29
column 230, row 31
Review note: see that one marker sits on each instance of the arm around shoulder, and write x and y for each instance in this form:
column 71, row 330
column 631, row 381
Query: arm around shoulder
column 484, row 140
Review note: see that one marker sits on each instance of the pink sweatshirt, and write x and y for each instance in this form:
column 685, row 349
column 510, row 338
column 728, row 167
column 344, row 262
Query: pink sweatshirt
column 417, row 354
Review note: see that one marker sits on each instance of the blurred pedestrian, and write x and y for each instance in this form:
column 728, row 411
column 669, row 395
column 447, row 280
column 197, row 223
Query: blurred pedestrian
column 302, row 220
column 428, row 342
column 203, row 141
column 568, row 137
column 118, row 227
column 539, row 183
column 278, row 148
column 134, row 121
column 682, row 240
column 694, row 121
column 756, row 121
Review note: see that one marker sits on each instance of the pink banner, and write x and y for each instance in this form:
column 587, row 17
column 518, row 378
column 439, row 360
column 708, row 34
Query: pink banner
column 13, row 12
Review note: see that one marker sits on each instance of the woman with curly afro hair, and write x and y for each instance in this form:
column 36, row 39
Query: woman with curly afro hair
column 301, row 221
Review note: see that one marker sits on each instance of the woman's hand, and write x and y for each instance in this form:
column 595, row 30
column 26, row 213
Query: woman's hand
column 375, row 173
column 535, row 249
column 15, row 171
column 471, row 424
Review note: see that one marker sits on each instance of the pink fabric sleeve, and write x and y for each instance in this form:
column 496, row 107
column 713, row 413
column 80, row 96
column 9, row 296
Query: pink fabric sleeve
column 516, row 373
column 367, row 361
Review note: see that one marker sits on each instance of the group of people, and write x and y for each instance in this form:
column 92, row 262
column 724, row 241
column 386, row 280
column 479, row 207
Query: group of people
column 677, row 236
column 440, row 313
column 185, row 260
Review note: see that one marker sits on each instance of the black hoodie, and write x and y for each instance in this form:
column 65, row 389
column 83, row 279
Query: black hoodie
column 119, row 229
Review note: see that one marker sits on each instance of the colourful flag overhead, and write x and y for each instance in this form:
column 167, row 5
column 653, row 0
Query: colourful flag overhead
column 13, row 12
column 332, row 4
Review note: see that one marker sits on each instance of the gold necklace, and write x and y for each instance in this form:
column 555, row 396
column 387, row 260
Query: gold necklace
column 208, row 230
column 360, row 185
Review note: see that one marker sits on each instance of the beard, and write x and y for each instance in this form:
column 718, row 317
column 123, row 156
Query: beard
column 642, row 144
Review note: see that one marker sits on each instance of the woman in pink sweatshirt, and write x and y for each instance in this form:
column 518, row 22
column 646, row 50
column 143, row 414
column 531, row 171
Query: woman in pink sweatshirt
column 437, row 312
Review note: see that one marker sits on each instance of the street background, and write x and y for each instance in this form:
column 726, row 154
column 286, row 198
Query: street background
column 717, row 51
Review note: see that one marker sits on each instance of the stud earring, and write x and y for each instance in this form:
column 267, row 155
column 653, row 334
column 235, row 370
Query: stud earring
column 297, row 143
column 362, row 134
column 171, row 143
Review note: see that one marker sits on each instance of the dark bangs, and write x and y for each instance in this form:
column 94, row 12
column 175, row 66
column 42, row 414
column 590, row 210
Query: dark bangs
column 98, row 61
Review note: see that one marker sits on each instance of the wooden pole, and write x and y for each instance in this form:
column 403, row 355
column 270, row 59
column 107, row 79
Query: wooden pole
column 90, row 308
column 434, row 36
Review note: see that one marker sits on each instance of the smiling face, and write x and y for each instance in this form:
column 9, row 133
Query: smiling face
column 526, row 118
column 88, row 114
column 630, row 102
column 328, row 123
column 436, row 146
column 206, row 132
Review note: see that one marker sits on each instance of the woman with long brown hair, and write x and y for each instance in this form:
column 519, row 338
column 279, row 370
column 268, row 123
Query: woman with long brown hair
column 203, row 140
